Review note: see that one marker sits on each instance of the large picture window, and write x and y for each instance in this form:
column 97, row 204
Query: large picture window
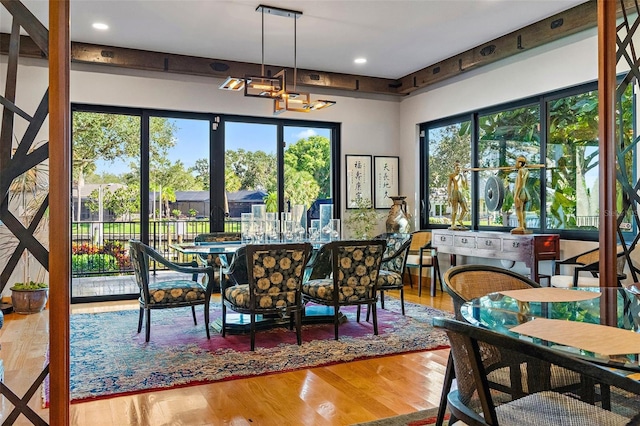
column 503, row 137
column 557, row 135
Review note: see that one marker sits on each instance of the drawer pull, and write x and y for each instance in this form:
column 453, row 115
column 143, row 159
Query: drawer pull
column 488, row 242
column 443, row 238
column 464, row 240
column 515, row 244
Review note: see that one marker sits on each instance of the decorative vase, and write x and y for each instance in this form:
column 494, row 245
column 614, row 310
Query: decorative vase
column 29, row 301
column 398, row 218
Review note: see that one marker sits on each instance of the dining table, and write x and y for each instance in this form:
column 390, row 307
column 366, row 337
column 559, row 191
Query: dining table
column 240, row 323
column 568, row 320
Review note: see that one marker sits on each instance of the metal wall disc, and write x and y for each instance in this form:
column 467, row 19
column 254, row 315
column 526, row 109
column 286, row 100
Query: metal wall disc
column 494, row 193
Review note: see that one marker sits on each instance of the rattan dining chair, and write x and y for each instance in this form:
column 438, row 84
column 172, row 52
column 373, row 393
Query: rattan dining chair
column 466, row 282
column 585, row 263
column 477, row 352
column 422, row 255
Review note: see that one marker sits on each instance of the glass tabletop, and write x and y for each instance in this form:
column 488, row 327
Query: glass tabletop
column 501, row 313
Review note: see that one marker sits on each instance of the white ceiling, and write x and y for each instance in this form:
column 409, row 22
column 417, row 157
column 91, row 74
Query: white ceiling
column 397, row 37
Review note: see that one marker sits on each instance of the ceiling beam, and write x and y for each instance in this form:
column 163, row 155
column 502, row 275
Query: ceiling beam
column 571, row 21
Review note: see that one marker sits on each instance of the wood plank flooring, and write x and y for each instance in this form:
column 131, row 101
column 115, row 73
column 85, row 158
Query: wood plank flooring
column 340, row 394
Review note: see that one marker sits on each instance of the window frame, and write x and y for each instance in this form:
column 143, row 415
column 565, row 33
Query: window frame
column 542, row 101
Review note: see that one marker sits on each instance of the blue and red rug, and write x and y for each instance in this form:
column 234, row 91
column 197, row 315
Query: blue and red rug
column 108, row 357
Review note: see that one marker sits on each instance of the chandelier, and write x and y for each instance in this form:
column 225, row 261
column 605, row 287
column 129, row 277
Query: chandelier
column 275, row 86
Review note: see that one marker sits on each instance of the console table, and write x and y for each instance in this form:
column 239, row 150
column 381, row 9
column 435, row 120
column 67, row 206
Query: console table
column 527, row 248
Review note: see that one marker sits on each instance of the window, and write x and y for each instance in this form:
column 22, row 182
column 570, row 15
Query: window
column 557, row 134
column 447, row 143
column 503, row 137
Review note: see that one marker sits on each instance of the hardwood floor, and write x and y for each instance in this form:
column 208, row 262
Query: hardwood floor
column 339, row 394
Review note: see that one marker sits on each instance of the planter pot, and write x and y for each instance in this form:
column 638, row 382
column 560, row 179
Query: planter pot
column 29, row 301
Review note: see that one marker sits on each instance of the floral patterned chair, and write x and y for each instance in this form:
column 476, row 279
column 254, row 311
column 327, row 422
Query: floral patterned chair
column 355, row 265
column 274, row 279
column 173, row 293
column 391, row 276
column 217, row 261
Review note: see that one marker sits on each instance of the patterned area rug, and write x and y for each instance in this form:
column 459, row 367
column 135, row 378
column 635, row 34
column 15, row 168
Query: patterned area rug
column 108, row 357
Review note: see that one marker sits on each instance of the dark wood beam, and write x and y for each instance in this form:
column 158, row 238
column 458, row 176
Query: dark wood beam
column 571, row 21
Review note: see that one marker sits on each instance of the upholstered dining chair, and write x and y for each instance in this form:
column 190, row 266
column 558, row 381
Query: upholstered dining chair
column 422, row 255
column 355, row 267
column 274, row 279
column 170, row 293
column 391, row 276
column 476, row 352
column 217, row 261
column 589, row 263
column 466, row 282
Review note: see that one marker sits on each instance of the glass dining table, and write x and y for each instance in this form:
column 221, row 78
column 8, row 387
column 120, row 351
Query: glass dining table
column 502, row 313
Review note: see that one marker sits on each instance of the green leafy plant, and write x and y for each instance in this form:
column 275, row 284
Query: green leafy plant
column 362, row 220
column 31, row 285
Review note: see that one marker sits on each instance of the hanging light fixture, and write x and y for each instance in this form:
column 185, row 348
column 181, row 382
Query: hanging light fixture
column 274, row 87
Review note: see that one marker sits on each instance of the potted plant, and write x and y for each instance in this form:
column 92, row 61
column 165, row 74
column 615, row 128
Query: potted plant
column 362, row 220
column 29, row 297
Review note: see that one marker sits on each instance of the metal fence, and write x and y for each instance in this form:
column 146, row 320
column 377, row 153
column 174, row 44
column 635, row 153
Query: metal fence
column 101, row 248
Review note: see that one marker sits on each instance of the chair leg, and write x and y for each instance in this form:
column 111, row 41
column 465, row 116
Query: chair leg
column 147, row 328
column 449, row 375
column 298, row 314
column 436, row 266
column 382, row 299
column 402, row 299
column 140, row 319
column 433, row 280
column 253, row 331
column 358, row 314
column 336, row 321
column 410, row 279
column 419, row 280
column 206, row 318
column 374, row 310
column 193, row 312
column 224, row 319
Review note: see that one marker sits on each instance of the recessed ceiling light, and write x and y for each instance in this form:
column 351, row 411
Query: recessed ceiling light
column 360, row 60
column 100, row 26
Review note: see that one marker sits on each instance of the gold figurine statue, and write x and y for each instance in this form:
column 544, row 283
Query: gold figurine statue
column 457, row 183
column 521, row 195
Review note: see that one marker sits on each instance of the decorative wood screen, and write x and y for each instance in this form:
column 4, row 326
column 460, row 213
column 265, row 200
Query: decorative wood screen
column 18, row 165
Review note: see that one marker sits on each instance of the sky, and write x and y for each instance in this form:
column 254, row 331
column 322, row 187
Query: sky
column 193, row 141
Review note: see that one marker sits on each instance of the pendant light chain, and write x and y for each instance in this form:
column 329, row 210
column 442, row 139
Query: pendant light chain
column 262, row 69
column 295, row 52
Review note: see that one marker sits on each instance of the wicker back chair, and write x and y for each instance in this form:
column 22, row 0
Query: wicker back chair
column 422, row 255
column 587, row 262
column 467, row 282
column 604, row 398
